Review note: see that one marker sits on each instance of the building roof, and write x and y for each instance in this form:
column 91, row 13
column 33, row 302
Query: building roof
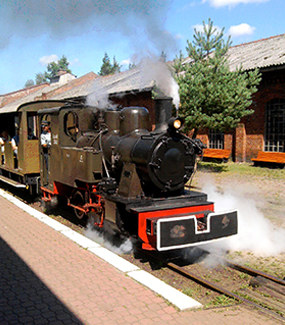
column 130, row 80
column 127, row 81
column 261, row 54
column 264, row 53
column 46, row 91
column 15, row 95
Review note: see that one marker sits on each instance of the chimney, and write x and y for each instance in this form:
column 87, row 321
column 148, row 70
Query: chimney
column 61, row 72
column 62, row 77
column 163, row 112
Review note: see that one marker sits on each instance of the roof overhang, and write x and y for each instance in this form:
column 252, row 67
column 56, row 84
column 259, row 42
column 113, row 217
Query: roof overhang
column 33, row 106
column 41, row 104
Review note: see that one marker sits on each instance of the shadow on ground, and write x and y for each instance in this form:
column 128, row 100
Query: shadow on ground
column 24, row 298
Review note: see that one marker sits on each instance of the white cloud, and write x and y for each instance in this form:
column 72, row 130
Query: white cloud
column 45, row 60
column 178, row 36
column 200, row 28
column 125, row 62
column 231, row 3
column 74, row 62
column 241, row 30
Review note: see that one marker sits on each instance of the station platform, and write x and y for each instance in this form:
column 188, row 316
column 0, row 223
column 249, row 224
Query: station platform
column 47, row 278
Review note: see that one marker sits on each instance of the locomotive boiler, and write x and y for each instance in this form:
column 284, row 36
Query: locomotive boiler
column 112, row 166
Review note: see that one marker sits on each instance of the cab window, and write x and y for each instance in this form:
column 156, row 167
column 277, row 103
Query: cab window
column 71, row 124
column 32, row 121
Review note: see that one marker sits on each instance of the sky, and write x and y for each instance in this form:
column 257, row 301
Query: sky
column 36, row 32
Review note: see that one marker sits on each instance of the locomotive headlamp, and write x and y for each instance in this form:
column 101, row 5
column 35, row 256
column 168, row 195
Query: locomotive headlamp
column 175, row 123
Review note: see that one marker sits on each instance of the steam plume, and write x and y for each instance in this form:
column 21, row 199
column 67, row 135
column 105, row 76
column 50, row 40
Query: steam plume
column 138, row 20
column 123, row 247
column 255, row 232
column 153, row 69
column 150, row 71
column 99, row 96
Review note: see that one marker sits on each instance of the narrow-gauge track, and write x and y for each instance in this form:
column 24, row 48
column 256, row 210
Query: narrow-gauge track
column 261, row 306
column 215, row 287
column 254, row 272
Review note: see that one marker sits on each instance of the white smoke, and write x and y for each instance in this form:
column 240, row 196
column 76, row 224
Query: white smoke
column 142, row 22
column 153, row 69
column 255, row 233
column 99, row 96
column 121, row 247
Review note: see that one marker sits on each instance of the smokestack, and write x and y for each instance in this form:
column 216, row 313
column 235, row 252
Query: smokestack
column 163, row 112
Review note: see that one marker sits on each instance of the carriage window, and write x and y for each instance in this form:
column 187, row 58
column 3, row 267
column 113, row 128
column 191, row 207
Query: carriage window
column 216, row 139
column 275, row 126
column 17, row 121
column 32, row 126
column 71, row 124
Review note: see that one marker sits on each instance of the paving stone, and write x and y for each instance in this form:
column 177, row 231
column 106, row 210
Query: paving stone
column 45, row 278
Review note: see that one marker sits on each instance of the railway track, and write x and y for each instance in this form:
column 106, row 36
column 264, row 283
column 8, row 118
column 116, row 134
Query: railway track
column 254, row 272
column 213, row 286
column 272, row 306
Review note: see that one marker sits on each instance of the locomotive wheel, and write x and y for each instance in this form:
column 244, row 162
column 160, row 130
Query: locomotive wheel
column 78, row 200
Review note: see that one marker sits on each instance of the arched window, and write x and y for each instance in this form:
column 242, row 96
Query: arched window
column 71, row 124
column 275, row 126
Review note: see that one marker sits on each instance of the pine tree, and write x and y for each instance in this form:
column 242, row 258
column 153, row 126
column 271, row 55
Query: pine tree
column 40, row 78
column 163, row 56
column 106, row 67
column 131, row 66
column 116, row 67
column 212, row 96
column 54, row 67
column 29, row 83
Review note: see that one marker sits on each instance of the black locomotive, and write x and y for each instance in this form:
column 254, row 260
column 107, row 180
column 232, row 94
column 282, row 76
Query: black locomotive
column 110, row 165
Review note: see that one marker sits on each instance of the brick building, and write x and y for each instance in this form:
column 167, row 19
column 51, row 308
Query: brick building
column 264, row 130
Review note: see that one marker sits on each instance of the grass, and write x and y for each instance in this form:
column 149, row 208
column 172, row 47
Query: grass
column 273, row 265
column 189, row 292
column 244, row 276
column 221, row 300
column 260, row 303
column 231, row 168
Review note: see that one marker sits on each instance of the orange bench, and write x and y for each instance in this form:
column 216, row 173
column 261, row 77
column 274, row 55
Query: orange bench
column 270, row 157
column 223, row 154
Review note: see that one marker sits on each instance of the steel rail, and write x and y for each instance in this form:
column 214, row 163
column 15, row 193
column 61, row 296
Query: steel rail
column 212, row 286
column 221, row 290
column 254, row 272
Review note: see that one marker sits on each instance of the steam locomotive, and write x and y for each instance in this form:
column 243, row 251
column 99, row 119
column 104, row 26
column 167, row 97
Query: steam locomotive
column 111, row 166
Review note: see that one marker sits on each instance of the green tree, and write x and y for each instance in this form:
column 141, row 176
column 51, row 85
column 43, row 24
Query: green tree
column 29, row 83
column 107, row 67
column 54, row 67
column 116, row 66
column 163, row 56
column 40, row 78
column 212, row 96
column 131, row 66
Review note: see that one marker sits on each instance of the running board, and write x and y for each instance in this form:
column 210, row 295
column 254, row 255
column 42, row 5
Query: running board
column 11, row 182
